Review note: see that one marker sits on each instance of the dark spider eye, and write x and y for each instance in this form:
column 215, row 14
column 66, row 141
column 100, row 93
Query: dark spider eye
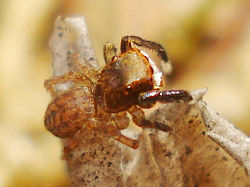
column 128, row 88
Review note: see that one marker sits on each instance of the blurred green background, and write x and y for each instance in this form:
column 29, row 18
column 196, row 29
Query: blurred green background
column 208, row 42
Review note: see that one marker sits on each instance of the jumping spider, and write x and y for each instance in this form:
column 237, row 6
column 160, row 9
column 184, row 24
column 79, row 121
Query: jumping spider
column 99, row 100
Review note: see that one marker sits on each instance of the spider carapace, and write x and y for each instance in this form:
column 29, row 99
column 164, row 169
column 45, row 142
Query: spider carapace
column 100, row 99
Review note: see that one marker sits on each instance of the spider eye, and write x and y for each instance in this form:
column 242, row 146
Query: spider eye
column 128, row 88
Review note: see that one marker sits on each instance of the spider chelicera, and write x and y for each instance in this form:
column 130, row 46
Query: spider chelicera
column 101, row 99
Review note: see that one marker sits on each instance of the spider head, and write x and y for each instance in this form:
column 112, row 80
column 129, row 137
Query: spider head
column 129, row 74
column 122, row 80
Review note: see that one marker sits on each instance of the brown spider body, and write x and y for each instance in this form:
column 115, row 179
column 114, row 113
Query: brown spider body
column 66, row 113
column 122, row 80
column 100, row 100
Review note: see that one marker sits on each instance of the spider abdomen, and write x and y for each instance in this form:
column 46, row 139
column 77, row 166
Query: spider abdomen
column 67, row 113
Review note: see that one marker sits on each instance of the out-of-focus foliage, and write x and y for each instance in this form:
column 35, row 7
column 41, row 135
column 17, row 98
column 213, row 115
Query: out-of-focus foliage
column 207, row 41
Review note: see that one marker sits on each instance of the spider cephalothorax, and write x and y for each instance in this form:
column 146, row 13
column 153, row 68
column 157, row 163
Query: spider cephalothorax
column 123, row 79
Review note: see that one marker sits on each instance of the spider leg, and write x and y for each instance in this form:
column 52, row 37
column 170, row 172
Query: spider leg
column 70, row 76
column 134, row 144
column 121, row 121
column 148, row 99
column 89, row 72
column 129, row 42
column 73, row 141
column 116, row 134
column 109, row 51
column 138, row 117
column 156, row 54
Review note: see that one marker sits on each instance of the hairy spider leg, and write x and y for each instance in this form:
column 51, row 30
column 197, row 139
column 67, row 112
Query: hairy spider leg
column 120, row 122
column 112, row 128
column 79, row 135
column 74, row 77
column 138, row 117
column 90, row 73
column 148, row 99
column 73, row 141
